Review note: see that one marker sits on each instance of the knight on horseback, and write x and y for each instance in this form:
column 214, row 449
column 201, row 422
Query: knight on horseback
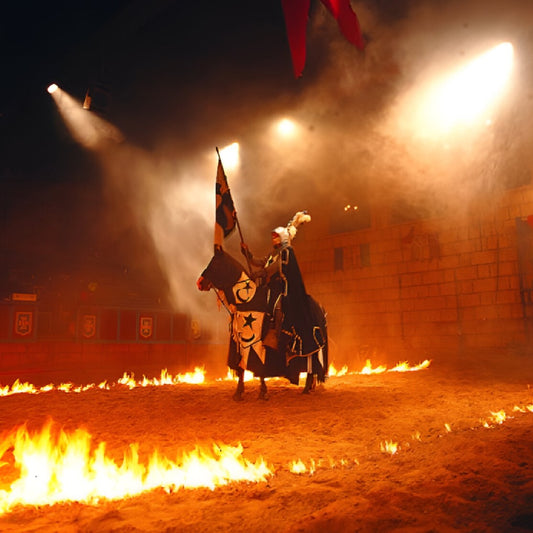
column 276, row 328
column 290, row 314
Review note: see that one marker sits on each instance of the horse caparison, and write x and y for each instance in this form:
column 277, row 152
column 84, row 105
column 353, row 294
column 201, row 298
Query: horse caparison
column 263, row 339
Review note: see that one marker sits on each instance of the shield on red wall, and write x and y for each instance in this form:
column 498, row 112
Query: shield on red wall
column 88, row 326
column 23, row 322
column 146, row 326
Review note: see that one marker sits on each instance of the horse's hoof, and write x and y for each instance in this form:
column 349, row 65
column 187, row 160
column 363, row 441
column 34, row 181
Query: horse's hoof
column 237, row 397
column 305, row 391
column 263, row 396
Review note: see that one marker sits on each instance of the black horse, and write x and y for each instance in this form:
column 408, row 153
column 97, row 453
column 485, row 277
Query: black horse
column 274, row 333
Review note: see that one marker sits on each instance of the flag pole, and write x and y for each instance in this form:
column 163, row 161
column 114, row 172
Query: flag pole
column 235, row 211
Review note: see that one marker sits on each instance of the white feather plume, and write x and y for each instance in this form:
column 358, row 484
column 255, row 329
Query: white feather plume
column 299, row 218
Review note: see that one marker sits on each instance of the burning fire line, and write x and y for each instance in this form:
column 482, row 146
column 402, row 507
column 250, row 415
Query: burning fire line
column 55, row 466
column 197, row 377
column 128, row 380
column 368, row 369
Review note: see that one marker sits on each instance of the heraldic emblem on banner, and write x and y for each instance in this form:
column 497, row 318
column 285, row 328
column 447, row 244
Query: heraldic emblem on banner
column 88, row 326
column 23, row 322
column 146, row 326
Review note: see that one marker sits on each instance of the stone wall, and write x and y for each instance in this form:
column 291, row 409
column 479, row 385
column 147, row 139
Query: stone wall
column 415, row 290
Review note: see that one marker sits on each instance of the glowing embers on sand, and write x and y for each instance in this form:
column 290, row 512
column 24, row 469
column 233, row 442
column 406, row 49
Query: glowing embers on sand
column 56, row 466
column 299, row 467
column 392, row 447
column 128, row 380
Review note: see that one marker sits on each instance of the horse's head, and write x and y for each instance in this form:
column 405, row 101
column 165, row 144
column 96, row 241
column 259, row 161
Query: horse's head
column 226, row 274
column 203, row 283
column 222, row 272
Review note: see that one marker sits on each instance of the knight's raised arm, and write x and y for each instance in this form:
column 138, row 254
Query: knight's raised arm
column 250, row 257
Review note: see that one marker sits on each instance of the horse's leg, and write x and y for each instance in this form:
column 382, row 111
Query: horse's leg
column 263, row 392
column 237, row 396
column 308, row 383
column 310, row 379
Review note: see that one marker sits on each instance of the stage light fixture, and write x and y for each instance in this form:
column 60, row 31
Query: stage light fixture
column 97, row 98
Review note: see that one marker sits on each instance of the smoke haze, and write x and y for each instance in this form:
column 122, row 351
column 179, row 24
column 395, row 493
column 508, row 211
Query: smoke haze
column 355, row 127
column 357, row 135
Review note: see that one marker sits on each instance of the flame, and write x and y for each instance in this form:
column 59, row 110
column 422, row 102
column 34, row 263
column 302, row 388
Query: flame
column 18, row 388
column 367, row 369
column 231, row 376
column 56, row 466
column 523, row 408
column 389, row 447
column 297, row 467
column 498, row 417
column 332, row 371
column 197, row 377
column 404, row 367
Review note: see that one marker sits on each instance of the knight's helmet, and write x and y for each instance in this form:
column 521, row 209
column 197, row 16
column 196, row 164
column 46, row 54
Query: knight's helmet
column 288, row 232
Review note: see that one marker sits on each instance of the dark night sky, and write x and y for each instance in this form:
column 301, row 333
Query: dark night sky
column 154, row 57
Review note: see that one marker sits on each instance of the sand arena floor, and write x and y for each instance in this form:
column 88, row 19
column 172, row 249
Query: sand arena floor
column 458, row 466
